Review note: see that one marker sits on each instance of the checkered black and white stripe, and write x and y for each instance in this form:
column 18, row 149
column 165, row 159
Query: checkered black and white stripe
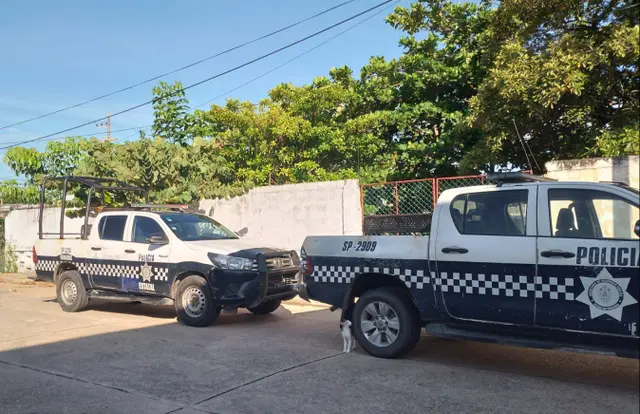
column 483, row 284
column 503, row 285
column 112, row 270
column 555, row 289
column 160, row 274
column 47, row 265
column 345, row 274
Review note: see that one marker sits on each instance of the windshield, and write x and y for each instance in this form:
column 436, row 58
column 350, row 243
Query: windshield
column 194, row 227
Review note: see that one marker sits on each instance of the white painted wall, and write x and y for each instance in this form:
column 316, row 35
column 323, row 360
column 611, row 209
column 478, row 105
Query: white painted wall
column 21, row 231
column 284, row 215
column 625, row 169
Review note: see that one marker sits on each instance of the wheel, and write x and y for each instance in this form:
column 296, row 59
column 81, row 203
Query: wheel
column 194, row 303
column 386, row 323
column 70, row 291
column 265, row 307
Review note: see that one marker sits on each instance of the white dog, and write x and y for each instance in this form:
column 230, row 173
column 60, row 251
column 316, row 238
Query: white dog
column 349, row 342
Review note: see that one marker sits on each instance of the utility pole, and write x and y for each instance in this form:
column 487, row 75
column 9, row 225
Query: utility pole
column 108, row 125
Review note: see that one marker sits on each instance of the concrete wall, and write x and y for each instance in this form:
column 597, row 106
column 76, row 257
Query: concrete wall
column 21, row 231
column 284, row 215
column 625, row 169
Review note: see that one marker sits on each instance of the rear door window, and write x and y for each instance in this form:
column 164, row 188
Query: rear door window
column 495, row 213
column 112, row 227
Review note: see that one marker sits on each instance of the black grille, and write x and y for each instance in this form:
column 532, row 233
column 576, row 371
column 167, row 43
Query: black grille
column 281, row 280
column 276, row 263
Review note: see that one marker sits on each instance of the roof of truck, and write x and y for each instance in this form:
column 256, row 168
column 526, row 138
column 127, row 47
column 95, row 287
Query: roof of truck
column 519, row 179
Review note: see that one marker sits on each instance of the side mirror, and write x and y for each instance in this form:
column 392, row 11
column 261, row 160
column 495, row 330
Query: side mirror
column 242, row 232
column 157, row 239
column 636, row 228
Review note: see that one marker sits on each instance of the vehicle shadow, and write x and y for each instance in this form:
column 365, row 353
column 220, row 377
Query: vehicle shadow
column 168, row 311
column 560, row 365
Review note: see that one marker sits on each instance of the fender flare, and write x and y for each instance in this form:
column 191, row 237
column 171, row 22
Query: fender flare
column 347, row 301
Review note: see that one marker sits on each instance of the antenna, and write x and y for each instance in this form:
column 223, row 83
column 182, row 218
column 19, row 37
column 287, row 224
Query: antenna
column 523, row 142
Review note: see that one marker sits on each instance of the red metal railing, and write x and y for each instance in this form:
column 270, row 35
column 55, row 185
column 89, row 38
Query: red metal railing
column 410, row 196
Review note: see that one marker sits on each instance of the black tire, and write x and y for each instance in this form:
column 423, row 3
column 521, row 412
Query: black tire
column 196, row 290
column 408, row 318
column 265, row 307
column 70, row 291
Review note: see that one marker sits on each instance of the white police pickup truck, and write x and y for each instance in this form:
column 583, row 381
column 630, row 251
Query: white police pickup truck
column 528, row 261
column 150, row 253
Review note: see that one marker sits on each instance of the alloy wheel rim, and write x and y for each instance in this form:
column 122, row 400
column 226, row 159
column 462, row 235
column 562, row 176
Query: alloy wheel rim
column 380, row 324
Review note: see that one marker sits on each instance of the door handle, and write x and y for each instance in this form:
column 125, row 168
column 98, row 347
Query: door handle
column 557, row 253
column 459, row 250
column 129, row 251
column 97, row 249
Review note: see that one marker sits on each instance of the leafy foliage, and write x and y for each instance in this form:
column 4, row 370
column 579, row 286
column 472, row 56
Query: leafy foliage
column 172, row 120
column 13, row 193
column 567, row 72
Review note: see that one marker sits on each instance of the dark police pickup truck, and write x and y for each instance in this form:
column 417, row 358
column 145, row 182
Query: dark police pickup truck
column 529, row 261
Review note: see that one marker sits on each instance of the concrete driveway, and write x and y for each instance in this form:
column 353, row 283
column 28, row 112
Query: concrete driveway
column 132, row 358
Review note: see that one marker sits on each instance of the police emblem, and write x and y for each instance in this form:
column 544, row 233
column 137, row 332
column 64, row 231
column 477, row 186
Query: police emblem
column 146, row 272
column 605, row 295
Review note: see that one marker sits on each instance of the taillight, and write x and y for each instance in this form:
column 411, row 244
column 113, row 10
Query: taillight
column 306, row 267
column 34, row 255
column 305, row 263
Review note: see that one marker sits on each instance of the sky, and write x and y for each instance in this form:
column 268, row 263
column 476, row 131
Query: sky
column 56, row 54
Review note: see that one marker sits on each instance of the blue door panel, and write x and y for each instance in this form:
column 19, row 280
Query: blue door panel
column 492, row 292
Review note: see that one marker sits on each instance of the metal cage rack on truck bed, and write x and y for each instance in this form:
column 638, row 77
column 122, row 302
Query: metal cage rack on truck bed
column 93, row 184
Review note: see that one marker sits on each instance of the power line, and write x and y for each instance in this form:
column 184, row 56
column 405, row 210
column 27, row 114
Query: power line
column 298, row 56
column 212, row 77
column 85, row 135
column 183, row 67
column 143, row 127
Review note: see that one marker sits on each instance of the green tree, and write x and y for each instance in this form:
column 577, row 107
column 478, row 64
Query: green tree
column 11, row 192
column 567, row 73
column 423, row 95
column 171, row 118
column 298, row 134
column 58, row 159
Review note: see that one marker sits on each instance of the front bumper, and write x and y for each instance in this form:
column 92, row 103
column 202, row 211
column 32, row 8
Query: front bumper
column 250, row 288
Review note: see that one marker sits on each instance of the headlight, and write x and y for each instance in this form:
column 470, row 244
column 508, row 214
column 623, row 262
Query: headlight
column 230, row 262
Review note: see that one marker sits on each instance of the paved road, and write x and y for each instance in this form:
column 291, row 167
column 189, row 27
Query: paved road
column 135, row 358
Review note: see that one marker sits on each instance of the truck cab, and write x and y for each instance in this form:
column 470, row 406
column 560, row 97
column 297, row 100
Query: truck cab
column 528, row 261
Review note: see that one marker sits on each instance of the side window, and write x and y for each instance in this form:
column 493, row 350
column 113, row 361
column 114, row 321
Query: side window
column 143, row 227
column 517, row 212
column 495, row 213
column 591, row 214
column 112, row 227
